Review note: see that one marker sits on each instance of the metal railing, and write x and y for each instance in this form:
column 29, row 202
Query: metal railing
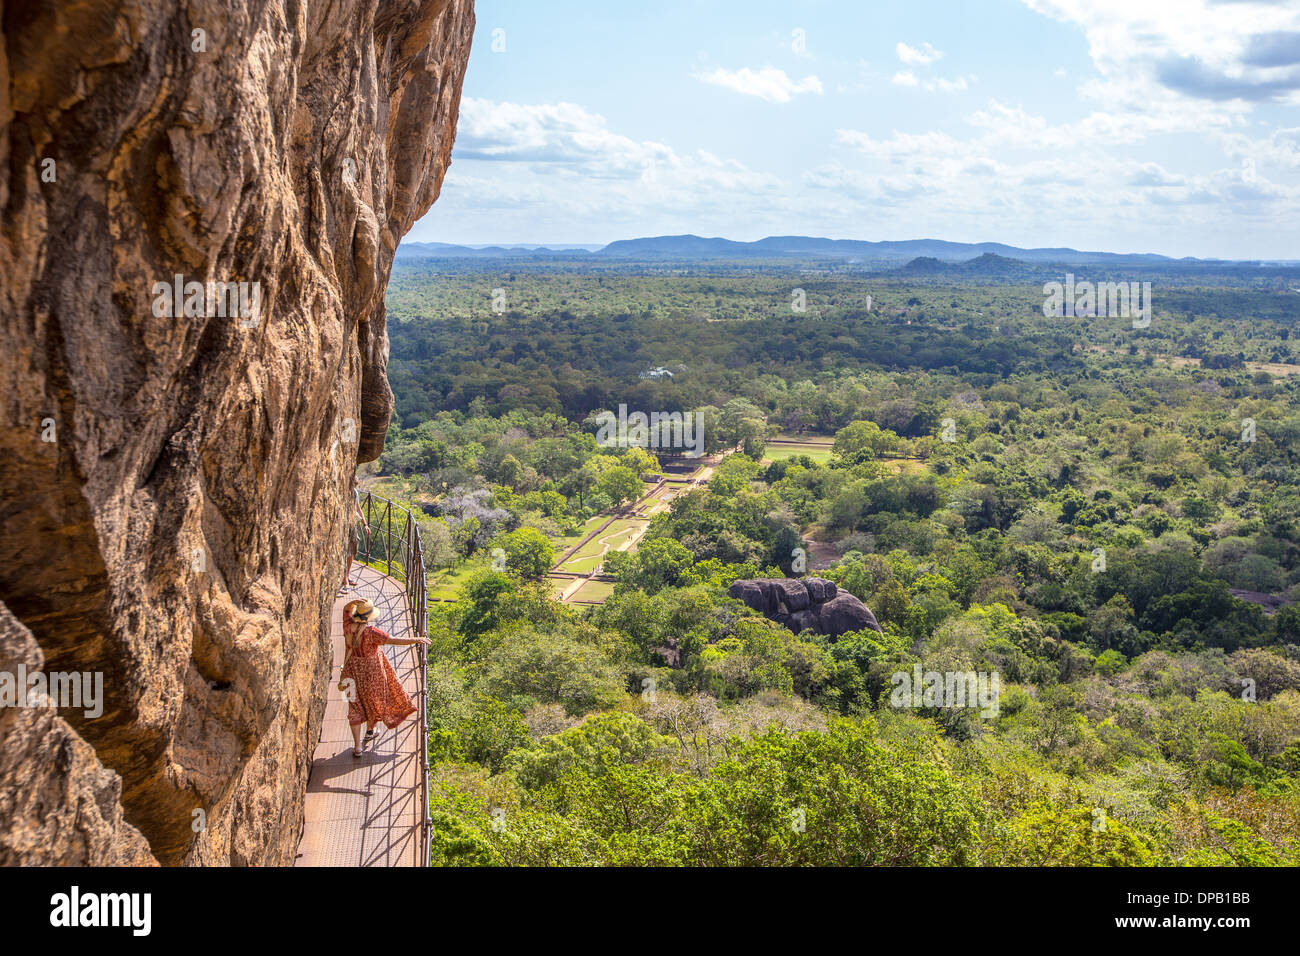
column 391, row 538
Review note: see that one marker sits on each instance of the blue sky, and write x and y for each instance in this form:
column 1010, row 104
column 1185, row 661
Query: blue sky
column 1167, row 126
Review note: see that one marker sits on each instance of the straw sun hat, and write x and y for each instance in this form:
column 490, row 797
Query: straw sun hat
column 363, row 610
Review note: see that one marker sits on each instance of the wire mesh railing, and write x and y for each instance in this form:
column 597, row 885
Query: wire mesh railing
column 390, row 539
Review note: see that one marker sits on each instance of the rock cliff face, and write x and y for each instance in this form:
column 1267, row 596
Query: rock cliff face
column 805, row 604
column 177, row 470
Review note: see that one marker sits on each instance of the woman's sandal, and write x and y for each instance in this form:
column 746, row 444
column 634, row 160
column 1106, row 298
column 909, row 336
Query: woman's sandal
column 357, row 753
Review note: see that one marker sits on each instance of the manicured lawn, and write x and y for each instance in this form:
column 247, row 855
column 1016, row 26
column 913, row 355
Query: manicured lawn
column 817, row 452
column 582, row 565
column 589, row 555
column 617, row 533
column 446, row 583
column 614, row 535
column 807, row 439
column 557, row 586
column 594, row 591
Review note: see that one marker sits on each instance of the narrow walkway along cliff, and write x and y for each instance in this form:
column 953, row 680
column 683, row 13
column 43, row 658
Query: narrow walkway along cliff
column 199, row 205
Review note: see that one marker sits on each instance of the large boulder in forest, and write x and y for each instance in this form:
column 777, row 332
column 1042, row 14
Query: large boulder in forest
column 805, row 604
column 844, row 613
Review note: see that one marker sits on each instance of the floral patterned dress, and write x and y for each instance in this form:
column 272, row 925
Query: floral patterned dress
column 378, row 694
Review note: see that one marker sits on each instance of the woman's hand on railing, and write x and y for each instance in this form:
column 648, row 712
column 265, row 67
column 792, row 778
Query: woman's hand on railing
column 409, row 640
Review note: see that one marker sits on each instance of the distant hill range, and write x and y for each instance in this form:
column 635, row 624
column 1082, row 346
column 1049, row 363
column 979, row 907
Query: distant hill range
column 917, row 256
column 444, row 250
column 988, row 264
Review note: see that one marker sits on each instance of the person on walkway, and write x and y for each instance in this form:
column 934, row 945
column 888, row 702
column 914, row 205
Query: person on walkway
column 375, row 694
column 349, row 582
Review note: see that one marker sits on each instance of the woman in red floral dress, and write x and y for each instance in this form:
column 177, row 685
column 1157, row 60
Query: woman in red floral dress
column 375, row 693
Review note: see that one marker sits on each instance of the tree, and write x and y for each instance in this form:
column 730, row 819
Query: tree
column 848, row 506
column 529, row 553
column 1111, row 626
column 1200, row 510
column 620, row 485
column 596, row 745
column 655, row 565
column 740, row 420
column 509, row 471
column 639, row 461
column 436, row 538
column 1258, row 572
column 786, row 544
column 863, row 803
column 482, row 594
column 541, row 667
column 863, row 441
column 1071, row 836
column 1287, row 623
column 414, row 457
column 707, row 418
column 1110, row 662
column 549, row 503
column 465, row 535
column 581, row 482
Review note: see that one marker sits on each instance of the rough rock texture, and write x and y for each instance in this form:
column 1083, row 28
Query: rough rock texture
column 65, row 804
column 805, row 604
column 176, row 487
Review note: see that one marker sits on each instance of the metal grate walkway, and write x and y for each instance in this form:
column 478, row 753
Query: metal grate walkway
column 366, row 811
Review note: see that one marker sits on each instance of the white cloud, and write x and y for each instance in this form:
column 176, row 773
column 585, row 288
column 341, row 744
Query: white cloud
column 551, row 133
column 768, row 84
column 1195, row 50
column 937, row 85
column 1282, row 148
column 538, row 168
column 1154, row 175
column 918, row 57
column 942, row 85
column 1084, row 193
column 1014, row 127
column 901, row 145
